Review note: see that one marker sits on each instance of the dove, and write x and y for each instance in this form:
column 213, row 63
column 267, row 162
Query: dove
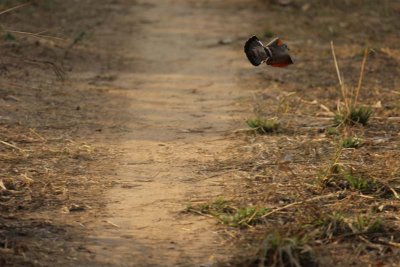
column 275, row 53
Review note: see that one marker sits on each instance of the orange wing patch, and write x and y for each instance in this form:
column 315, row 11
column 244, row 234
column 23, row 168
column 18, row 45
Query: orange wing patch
column 279, row 42
column 280, row 65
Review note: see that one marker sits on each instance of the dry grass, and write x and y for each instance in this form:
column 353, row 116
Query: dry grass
column 44, row 174
column 39, row 172
column 232, row 216
column 49, row 163
column 332, row 192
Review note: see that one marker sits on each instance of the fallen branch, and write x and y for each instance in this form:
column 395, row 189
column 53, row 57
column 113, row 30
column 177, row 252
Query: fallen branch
column 11, row 145
column 14, row 8
column 298, row 203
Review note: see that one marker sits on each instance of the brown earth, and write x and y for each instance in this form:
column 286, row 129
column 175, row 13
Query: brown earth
column 147, row 101
column 136, row 112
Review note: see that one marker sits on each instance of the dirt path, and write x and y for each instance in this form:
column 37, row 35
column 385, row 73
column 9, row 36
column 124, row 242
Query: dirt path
column 182, row 87
column 182, row 90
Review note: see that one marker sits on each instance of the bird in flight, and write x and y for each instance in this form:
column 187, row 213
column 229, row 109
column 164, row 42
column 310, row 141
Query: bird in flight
column 276, row 53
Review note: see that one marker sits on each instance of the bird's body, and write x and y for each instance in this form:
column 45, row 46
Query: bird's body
column 275, row 53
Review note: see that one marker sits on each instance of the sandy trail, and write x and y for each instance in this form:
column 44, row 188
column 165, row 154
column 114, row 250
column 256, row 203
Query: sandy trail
column 182, row 90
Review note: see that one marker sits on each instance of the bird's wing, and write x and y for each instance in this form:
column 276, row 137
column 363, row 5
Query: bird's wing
column 279, row 54
column 255, row 51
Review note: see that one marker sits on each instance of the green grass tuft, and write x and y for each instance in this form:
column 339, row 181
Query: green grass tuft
column 332, row 131
column 351, row 142
column 338, row 178
column 281, row 250
column 236, row 217
column 335, row 224
column 366, row 224
column 361, row 184
column 9, row 37
column 359, row 115
column 264, row 126
column 331, row 224
column 243, row 216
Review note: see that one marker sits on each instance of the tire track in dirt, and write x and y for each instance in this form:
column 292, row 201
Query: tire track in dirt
column 183, row 87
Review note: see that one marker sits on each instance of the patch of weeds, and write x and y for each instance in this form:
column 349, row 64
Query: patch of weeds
column 355, row 115
column 9, row 37
column 236, row 217
column 339, row 119
column 220, row 205
column 331, row 224
column 281, row 250
column 264, row 126
column 366, row 224
column 360, row 115
column 244, row 216
column 351, row 142
column 339, row 178
column 359, row 183
column 335, row 224
column 332, row 131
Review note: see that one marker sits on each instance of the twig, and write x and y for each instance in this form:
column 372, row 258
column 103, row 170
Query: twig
column 36, row 35
column 14, row 8
column 342, row 88
column 38, row 135
column 361, row 75
column 58, row 71
column 369, row 243
column 390, row 243
column 394, row 192
column 200, row 213
column 299, row 202
column 113, row 224
column 248, row 220
column 10, row 145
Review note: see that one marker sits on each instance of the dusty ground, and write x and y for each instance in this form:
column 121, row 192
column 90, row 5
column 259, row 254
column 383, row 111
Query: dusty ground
column 138, row 111
column 297, row 178
column 143, row 105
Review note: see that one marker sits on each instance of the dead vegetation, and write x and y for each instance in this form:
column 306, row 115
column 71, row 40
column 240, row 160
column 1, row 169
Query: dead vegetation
column 38, row 172
column 226, row 214
column 330, row 177
column 309, row 194
column 49, row 163
column 41, row 175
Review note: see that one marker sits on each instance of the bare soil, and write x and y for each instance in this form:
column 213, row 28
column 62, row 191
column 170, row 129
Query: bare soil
column 122, row 114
